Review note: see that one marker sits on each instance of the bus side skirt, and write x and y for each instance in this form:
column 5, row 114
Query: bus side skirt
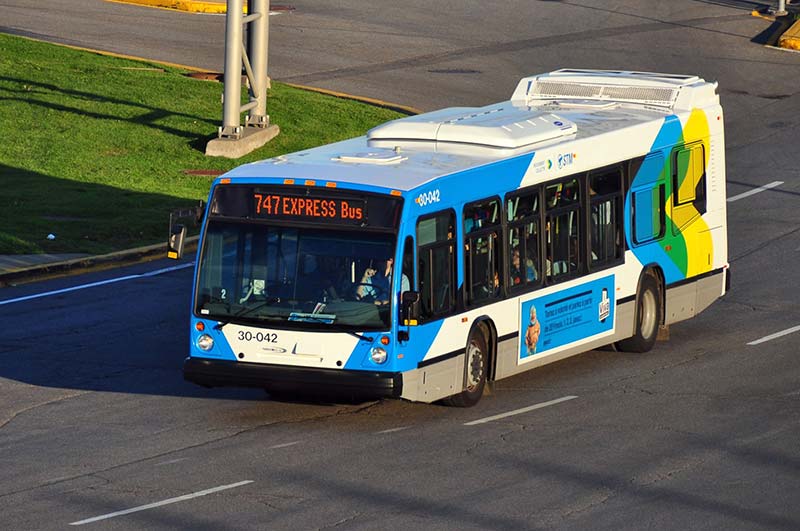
column 434, row 381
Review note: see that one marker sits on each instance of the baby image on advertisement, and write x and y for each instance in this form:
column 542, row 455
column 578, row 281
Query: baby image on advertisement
column 532, row 333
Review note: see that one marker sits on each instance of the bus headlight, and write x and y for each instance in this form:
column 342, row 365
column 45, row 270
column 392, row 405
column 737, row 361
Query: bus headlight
column 378, row 355
column 205, row 342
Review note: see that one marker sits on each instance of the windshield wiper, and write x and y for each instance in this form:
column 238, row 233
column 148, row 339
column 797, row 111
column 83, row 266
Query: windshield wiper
column 361, row 337
column 244, row 311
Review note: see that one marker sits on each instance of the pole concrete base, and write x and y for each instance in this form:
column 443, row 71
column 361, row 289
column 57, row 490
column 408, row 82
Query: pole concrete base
column 252, row 138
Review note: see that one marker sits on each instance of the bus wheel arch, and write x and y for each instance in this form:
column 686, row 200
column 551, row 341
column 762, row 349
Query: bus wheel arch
column 479, row 355
column 649, row 311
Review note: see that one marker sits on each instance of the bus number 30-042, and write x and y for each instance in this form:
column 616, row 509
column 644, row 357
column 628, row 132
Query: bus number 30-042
column 261, row 337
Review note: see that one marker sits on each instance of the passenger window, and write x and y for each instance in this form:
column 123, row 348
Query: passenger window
column 688, row 185
column 437, row 264
column 524, row 238
column 605, row 216
column 648, row 214
column 688, row 173
column 563, row 242
column 482, row 250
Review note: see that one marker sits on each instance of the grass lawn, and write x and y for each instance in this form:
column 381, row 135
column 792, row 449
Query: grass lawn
column 97, row 150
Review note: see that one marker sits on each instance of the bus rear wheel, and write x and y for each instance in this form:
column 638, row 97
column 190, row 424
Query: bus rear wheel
column 476, row 368
column 649, row 309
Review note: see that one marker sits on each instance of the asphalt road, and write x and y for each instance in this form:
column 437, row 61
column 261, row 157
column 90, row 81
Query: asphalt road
column 701, row 433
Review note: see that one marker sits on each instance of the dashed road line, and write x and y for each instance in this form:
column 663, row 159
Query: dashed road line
column 162, row 503
column 392, row 430
column 776, row 335
column 171, row 461
column 520, row 411
column 754, row 191
column 284, row 445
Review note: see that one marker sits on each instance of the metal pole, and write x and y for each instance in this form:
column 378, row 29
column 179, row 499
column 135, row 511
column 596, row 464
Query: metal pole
column 233, row 140
column 258, row 42
column 232, row 94
column 781, row 8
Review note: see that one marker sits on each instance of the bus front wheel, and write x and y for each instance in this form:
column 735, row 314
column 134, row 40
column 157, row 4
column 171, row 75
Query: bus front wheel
column 648, row 317
column 476, row 368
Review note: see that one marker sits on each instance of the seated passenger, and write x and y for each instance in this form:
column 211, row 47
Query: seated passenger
column 516, row 269
column 516, row 272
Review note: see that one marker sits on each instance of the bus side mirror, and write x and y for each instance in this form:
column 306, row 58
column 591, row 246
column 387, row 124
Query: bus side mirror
column 177, row 231
column 177, row 235
column 409, row 308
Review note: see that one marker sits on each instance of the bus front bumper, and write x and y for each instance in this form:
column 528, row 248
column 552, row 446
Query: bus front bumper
column 282, row 378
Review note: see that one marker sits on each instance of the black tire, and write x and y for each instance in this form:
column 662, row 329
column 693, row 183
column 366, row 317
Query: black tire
column 476, row 360
column 649, row 316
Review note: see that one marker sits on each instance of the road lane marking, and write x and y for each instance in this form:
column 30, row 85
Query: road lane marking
column 99, row 283
column 284, row 445
column 171, row 461
column 163, row 502
column 520, row 411
column 776, row 335
column 754, row 191
column 392, row 430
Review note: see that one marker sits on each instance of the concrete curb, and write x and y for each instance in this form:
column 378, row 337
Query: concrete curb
column 191, row 6
column 405, row 109
column 791, row 37
column 86, row 264
column 785, row 34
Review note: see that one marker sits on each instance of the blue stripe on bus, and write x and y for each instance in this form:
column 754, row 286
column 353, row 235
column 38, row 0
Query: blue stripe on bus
column 460, row 188
column 650, row 172
column 221, row 351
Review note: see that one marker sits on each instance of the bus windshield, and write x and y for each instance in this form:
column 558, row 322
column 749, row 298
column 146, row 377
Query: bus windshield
column 291, row 277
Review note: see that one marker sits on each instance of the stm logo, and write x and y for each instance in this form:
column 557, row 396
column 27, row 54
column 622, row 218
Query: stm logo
column 566, row 159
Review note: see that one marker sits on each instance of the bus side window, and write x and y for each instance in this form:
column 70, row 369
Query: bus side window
column 407, row 271
column 523, row 239
column 605, row 216
column 482, row 250
column 688, row 185
column 437, row 264
column 563, row 244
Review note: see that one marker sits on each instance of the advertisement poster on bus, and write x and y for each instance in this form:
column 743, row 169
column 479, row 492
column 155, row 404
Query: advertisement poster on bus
column 566, row 316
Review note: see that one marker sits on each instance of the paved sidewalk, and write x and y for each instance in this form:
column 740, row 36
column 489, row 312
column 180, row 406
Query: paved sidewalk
column 18, row 269
column 17, row 262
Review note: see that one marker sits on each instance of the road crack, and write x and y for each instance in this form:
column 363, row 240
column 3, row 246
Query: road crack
column 15, row 414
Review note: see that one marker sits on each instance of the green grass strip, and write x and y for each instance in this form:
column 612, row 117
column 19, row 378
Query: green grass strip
column 95, row 149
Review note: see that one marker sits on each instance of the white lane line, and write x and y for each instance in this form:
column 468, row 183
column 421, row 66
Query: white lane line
column 776, row 335
column 284, row 445
column 392, row 430
column 171, row 461
column 164, row 502
column 520, row 411
column 754, row 191
column 99, row 283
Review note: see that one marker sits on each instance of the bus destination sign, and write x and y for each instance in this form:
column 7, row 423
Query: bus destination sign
column 304, row 208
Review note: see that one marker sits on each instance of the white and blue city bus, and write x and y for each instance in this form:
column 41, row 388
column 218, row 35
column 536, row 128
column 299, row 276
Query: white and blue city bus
column 448, row 249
